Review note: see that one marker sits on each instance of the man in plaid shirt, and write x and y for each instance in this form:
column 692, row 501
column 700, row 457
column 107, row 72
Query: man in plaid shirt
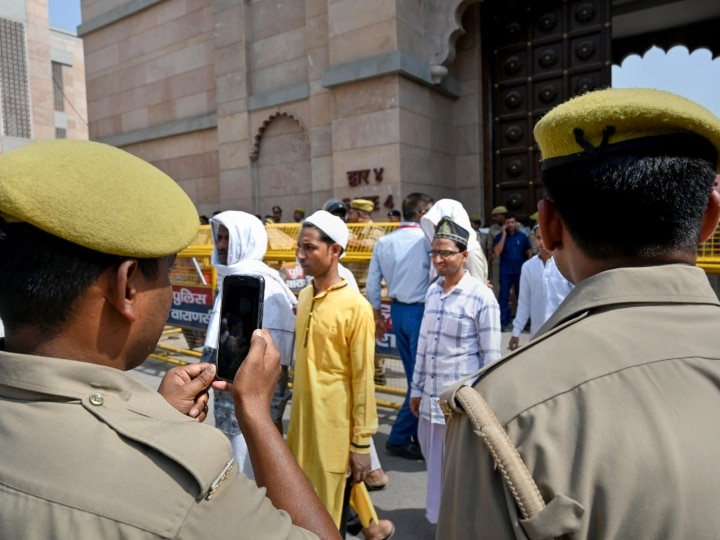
column 460, row 332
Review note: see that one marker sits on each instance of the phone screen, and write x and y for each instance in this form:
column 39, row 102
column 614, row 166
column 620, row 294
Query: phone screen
column 240, row 314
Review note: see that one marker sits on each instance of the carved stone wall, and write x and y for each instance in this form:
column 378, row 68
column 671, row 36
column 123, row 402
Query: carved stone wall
column 443, row 27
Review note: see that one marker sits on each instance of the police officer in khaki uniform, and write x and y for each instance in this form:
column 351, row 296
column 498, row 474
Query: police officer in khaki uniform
column 360, row 211
column 87, row 238
column 613, row 406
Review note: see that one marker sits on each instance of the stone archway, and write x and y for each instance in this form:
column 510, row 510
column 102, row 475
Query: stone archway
column 281, row 156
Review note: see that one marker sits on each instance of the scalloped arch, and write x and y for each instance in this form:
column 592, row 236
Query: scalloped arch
column 444, row 26
column 666, row 50
column 255, row 152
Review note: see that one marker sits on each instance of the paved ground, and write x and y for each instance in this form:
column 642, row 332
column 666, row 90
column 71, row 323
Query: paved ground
column 403, row 500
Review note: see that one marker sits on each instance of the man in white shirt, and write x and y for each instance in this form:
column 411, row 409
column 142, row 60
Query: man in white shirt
column 537, row 277
column 556, row 287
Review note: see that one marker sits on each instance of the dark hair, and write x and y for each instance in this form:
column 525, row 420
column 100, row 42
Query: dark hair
column 42, row 276
column 414, row 204
column 336, row 208
column 323, row 237
column 665, row 195
column 510, row 216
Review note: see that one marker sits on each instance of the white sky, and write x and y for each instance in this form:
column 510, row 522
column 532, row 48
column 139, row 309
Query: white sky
column 695, row 76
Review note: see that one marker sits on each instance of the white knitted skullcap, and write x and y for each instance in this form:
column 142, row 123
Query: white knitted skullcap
column 331, row 225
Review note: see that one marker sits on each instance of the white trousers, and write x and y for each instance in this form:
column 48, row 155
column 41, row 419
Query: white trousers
column 432, row 443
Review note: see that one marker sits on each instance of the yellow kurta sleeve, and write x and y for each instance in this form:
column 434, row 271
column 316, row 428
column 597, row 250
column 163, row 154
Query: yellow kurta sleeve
column 361, row 345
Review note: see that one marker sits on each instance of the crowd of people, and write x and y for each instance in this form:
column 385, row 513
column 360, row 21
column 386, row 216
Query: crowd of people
column 445, row 318
column 603, row 426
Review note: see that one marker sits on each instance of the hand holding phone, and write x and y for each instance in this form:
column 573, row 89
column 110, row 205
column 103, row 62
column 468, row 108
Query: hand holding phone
column 186, row 388
column 241, row 313
column 254, row 385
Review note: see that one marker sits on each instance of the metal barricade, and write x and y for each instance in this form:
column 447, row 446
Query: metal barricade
column 709, row 254
column 194, row 281
column 709, row 260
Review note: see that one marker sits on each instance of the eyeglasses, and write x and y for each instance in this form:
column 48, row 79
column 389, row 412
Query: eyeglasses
column 443, row 253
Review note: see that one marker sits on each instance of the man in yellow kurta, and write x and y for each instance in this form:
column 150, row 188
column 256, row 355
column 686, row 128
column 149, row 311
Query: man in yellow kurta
column 333, row 408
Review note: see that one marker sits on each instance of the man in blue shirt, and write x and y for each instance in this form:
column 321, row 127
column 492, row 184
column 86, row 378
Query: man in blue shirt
column 513, row 248
column 401, row 259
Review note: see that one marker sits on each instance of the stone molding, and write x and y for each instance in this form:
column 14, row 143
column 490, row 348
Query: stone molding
column 114, row 15
column 162, row 131
column 392, row 63
column 61, row 56
column 279, row 96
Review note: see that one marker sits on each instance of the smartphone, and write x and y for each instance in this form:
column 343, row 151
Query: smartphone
column 241, row 313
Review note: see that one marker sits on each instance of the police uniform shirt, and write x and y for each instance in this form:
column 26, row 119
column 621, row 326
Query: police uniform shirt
column 90, row 452
column 614, row 409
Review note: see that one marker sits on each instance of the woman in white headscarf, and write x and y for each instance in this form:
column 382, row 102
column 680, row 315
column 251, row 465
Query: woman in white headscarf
column 243, row 254
column 476, row 262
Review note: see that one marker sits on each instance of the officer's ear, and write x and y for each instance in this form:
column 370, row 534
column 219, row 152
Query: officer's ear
column 711, row 216
column 551, row 224
column 122, row 291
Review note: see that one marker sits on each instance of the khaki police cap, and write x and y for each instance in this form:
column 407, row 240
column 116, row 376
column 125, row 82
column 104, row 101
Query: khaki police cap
column 499, row 210
column 362, row 204
column 638, row 119
column 96, row 196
